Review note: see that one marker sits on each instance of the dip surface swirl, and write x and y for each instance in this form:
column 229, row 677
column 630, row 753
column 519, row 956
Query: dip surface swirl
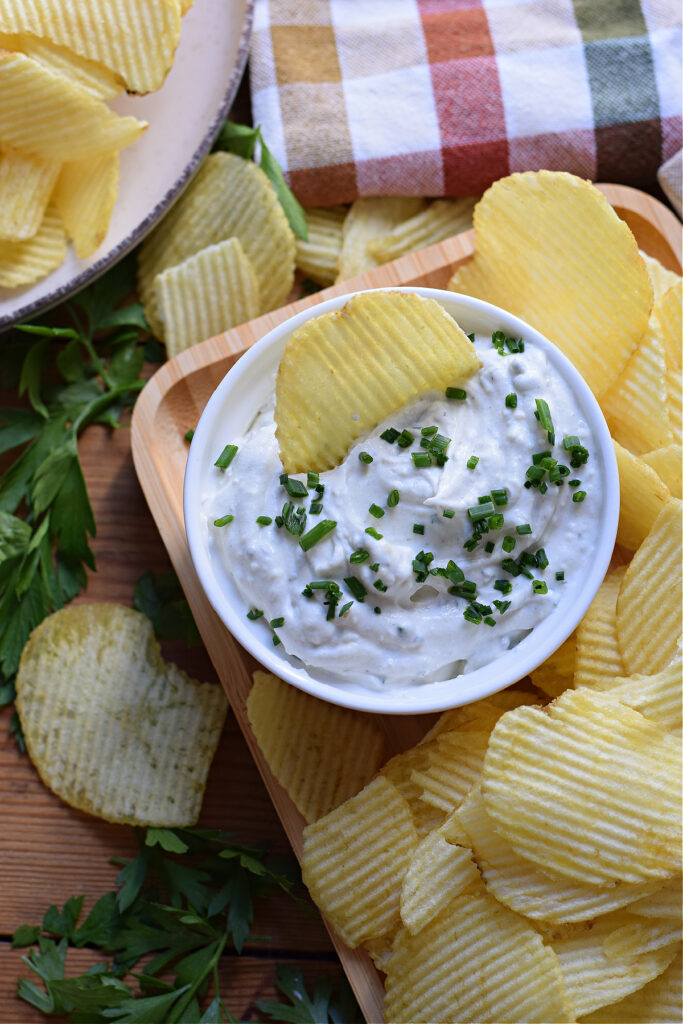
column 410, row 618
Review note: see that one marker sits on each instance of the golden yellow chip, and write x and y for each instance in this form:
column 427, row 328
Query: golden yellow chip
column 657, row 697
column 112, row 729
column 597, row 651
column 480, row 714
column 137, row 42
column 26, row 183
column 95, row 79
column 318, row 256
column 665, row 902
column 85, row 194
column 536, row 894
column 343, row 372
column 659, row 1000
column 207, row 293
column 399, row 770
column 453, row 767
column 665, row 324
column 49, row 116
column 662, row 278
column 439, row 870
column 229, row 198
column 586, row 773
column 643, row 496
column 320, row 753
column 635, row 404
column 595, row 977
column 551, row 249
column 29, row 261
column 441, row 219
column 475, row 961
column 380, row 950
column 649, row 603
column 368, row 218
column 667, row 464
column 354, row 860
column 674, row 404
column 556, row 674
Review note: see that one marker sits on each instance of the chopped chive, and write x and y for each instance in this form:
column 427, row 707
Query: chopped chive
column 254, row 613
column 504, row 586
column 373, row 532
column 390, row 435
column 377, row 611
column 511, row 401
column 535, row 473
column 542, row 559
column 459, row 393
column 421, row 460
column 316, row 508
column 319, row 531
column 500, row 496
column 365, row 457
column 572, row 441
column 361, row 555
column 509, row 543
column 488, row 547
column 543, row 487
column 226, row 456
column 471, row 544
column 276, row 623
column 189, row 434
column 279, row 521
column 276, row 640
column 405, row 439
column 344, row 608
column 374, row 567
column 439, row 443
column 509, row 565
column 376, row 511
column 356, row 587
column 224, row 520
column 418, row 528
column 471, row 615
column 482, row 511
column 393, row 499
column 471, row 337
column 502, row 606
column 294, row 488
column 312, row 479
column 489, row 621
column 542, row 414
column 429, row 431
column 380, row 585
column 448, row 513
column 539, row 586
column 294, row 519
column 538, row 457
column 578, row 495
column 559, row 576
column 523, row 529
column 264, row 520
column 320, row 488
column 573, row 483
column 528, row 558
column 496, row 522
column 472, row 461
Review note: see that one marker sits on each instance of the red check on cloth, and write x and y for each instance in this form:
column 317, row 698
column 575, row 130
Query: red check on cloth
column 443, row 97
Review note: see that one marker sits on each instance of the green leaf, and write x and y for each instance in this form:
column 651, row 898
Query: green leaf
column 48, row 960
column 63, row 922
column 34, row 996
column 15, row 535
column 167, row 839
column 72, row 516
column 31, row 375
column 7, row 692
column 89, row 992
column 19, row 426
column 128, row 316
column 293, row 210
column 49, row 475
column 237, row 138
column 324, row 1008
column 126, row 363
column 150, row 1010
column 18, row 617
column 197, row 964
column 101, row 925
column 130, row 880
column 71, row 361
column 213, row 1014
column 160, row 597
column 25, row 935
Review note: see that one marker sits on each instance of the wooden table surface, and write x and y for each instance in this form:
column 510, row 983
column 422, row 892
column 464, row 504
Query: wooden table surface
column 49, row 852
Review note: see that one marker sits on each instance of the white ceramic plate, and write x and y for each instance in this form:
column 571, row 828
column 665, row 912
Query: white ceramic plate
column 184, row 118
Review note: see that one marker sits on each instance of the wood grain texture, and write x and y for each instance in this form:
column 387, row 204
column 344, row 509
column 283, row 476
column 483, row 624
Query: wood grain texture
column 172, row 402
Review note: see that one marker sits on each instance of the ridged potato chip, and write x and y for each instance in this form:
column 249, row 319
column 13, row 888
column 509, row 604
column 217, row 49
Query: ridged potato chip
column 635, row 405
column 556, row 674
column 28, row 261
column 47, row 115
column 439, row 870
column 453, row 767
column 596, row 976
column 343, row 372
column 354, row 860
column 658, row 1001
column 228, row 198
column 399, row 770
column 550, row 249
column 94, row 78
column 674, row 404
column 207, row 293
column 111, row 728
column 643, row 495
column 318, row 256
column 597, row 656
column 666, row 326
column 657, row 697
column 662, row 278
column 320, row 753
column 524, row 888
column 586, row 774
column 667, row 464
column 480, row 714
column 85, row 194
column 665, row 902
column 26, row 183
column 649, row 604
column 475, row 961
column 368, row 218
column 441, row 219
column 140, row 49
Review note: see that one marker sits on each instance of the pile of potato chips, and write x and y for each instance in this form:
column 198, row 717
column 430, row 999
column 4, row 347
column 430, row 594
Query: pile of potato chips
column 60, row 62
column 523, row 861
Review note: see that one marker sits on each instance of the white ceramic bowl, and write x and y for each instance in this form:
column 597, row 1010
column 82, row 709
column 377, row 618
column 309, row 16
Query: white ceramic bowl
column 232, row 408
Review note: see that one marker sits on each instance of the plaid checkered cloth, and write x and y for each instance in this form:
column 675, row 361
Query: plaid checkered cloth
column 442, row 97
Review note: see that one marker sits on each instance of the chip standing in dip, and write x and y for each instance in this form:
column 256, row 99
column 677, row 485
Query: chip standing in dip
column 439, row 547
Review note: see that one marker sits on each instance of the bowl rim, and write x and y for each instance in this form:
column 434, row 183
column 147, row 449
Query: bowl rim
column 425, row 698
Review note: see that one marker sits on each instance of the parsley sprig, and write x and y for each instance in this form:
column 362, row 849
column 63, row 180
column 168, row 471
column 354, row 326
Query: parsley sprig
column 72, row 376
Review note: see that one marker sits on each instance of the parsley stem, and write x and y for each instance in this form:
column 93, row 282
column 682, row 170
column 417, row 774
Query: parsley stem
column 178, row 1010
column 98, row 405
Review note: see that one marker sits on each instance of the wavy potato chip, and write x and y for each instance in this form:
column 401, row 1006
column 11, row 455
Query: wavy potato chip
column 47, row 115
column 85, row 194
column 399, row 770
column 580, row 278
column 26, row 183
column 28, row 261
column 138, row 42
column 475, row 961
column 674, row 404
column 643, row 495
column 648, row 620
column 209, row 292
column 343, row 372
column 556, row 673
column 635, row 405
column 657, row 697
column 658, row 1000
column 454, row 765
column 480, row 714
column 441, row 219
column 586, row 774
column 320, row 753
column 368, row 218
column 597, row 656
column 662, row 278
column 318, row 256
column 91, row 76
column 354, row 860
column 668, row 464
column 111, row 728
column 666, row 324
column 665, row 902
column 439, row 870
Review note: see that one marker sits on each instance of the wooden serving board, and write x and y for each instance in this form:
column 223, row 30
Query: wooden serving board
column 172, row 402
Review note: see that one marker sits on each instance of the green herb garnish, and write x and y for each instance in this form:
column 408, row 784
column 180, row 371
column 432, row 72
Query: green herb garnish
column 226, row 456
column 315, row 535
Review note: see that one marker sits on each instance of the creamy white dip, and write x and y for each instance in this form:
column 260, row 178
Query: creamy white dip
column 408, row 628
